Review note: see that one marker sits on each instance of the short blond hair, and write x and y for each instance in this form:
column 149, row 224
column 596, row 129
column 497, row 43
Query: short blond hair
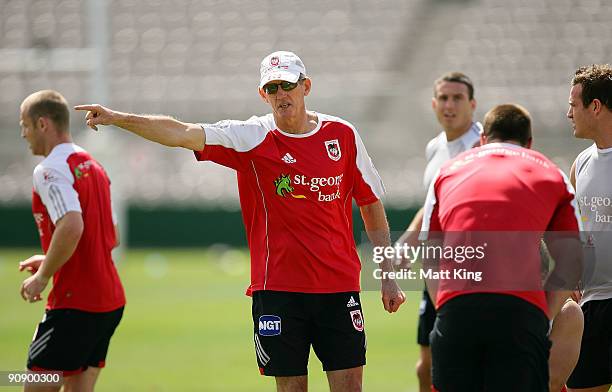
column 50, row 104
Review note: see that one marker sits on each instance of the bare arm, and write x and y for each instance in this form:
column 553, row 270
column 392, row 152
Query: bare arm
column 66, row 237
column 375, row 222
column 567, row 254
column 411, row 235
column 377, row 228
column 160, row 129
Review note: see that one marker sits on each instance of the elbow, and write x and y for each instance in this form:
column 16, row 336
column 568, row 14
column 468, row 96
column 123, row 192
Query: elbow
column 71, row 227
column 193, row 138
column 77, row 229
column 372, row 208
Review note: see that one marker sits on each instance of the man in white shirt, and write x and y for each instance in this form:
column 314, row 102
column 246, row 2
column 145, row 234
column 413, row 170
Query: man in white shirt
column 590, row 113
column 454, row 104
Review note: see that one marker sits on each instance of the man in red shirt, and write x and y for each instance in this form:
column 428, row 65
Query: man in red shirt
column 298, row 172
column 500, row 199
column 72, row 208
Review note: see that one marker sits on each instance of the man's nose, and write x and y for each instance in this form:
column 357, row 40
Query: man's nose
column 280, row 93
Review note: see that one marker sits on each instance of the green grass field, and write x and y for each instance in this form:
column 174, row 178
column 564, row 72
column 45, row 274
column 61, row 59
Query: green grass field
column 187, row 327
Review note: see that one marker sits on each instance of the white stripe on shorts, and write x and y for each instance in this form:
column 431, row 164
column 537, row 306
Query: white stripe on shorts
column 263, row 357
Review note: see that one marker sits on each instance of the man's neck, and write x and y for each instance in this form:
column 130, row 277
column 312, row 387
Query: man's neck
column 303, row 123
column 603, row 137
column 453, row 134
column 515, row 142
column 60, row 139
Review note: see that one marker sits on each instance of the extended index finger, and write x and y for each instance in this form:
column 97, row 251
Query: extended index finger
column 85, row 107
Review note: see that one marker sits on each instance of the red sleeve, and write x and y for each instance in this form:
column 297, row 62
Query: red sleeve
column 223, row 156
column 434, row 222
column 566, row 216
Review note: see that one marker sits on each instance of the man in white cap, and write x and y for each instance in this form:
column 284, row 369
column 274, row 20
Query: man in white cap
column 298, row 172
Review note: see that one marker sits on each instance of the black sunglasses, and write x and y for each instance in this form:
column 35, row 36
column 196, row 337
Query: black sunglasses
column 272, row 88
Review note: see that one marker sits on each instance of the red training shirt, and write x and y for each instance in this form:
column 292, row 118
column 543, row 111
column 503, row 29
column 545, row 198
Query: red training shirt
column 296, row 196
column 501, row 187
column 69, row 179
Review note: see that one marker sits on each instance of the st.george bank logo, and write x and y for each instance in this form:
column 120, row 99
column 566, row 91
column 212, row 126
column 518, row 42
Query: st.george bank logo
column 274, row 61
column 322, row 186
column 284, row 188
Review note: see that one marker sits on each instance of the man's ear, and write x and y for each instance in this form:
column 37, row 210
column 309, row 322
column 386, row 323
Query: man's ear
column 262, row 94
column 483, row 139
column 596, row 106
column 42, row 123
column 307, row 86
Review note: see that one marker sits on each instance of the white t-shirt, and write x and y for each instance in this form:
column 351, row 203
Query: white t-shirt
column 440, row 150
column 594, row 194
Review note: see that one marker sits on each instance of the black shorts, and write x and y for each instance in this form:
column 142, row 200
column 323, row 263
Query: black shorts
column 594, row 367
column 427, row 317
column 71, row 340
column 490, row 342
column 286, row 325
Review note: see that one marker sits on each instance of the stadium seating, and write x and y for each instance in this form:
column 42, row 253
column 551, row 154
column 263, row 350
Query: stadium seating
column 372, row 62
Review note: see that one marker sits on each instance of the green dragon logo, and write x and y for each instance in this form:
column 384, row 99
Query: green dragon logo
column 284, row 188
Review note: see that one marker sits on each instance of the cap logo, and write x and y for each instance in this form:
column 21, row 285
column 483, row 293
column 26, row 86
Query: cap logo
column 274, row 61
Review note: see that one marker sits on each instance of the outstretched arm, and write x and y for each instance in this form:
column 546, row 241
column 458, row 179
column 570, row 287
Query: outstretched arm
column 161, row 129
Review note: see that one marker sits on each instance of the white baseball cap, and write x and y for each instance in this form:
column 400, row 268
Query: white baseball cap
column 281, row 65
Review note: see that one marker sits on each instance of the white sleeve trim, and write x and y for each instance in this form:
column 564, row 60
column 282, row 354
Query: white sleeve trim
column 240, row 136
column 54, row 186
column 430, row 202
column 366, row 167
column 583, row 157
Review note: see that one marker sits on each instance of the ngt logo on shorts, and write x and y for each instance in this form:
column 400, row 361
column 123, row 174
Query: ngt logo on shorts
column 269, row 325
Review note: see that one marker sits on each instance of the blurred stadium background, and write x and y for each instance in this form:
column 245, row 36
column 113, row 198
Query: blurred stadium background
column 372, row 62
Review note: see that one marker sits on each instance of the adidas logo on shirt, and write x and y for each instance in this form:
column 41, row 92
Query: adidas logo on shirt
column 288, row 158
column 351, row 302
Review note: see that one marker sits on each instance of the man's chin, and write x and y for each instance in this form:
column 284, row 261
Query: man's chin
column 34, row 151
column 579, row 135
column 285, row 113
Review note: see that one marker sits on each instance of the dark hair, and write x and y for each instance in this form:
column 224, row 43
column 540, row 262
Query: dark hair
column 49, row 104
column 596, row 81
column 456, row 77
column 508, row 122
